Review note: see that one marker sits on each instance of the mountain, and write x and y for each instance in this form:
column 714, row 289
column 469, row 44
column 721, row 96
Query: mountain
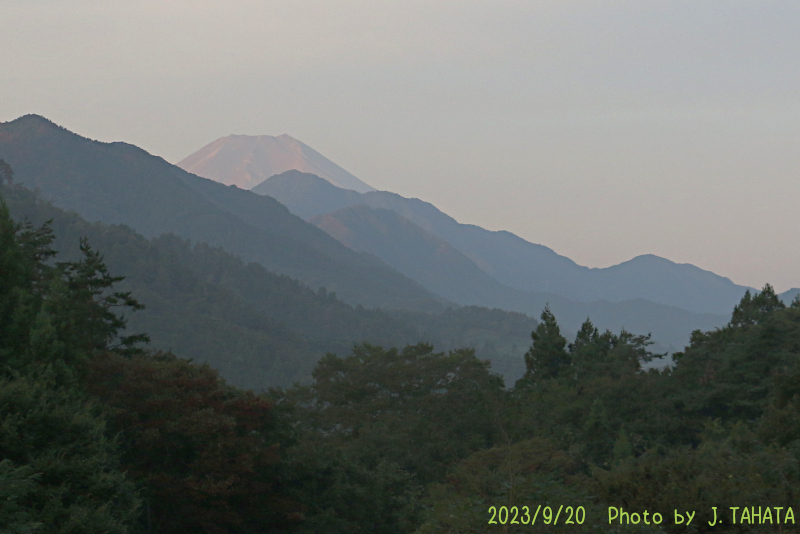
column 246, row 160
column 421, row 256
column 517, row 263
column 788, row 296
column 307, row 195
column 118, row 183
column 257, row 328
column 444, row 270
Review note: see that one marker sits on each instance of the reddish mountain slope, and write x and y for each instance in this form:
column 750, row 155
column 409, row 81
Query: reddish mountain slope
column 246, row 161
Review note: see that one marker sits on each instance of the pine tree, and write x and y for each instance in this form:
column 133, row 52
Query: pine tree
column 59, row 471
column 547, row 358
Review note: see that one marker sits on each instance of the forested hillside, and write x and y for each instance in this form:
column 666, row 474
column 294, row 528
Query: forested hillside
column 98, row 434
column 118, row 183
column 257, row 328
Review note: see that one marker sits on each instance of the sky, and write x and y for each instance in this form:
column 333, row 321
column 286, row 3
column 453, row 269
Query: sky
column 602, row 129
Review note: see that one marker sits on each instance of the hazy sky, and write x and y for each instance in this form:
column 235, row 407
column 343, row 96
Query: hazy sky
column 603, row 130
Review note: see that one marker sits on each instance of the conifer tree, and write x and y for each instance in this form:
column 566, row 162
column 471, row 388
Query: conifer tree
column 6, row 172
column 59, row 471
column 547, row 358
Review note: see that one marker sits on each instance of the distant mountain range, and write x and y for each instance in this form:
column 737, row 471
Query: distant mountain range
column 372, row 248
column 257, row 328
column 470, row 265
column 509, row 259
column 119, row 183
column 451, row 259
column 246, row 160
column 788, row 296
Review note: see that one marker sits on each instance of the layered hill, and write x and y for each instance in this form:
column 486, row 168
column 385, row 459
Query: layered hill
column 421, row 256
column 307, row 195
column 443, row 269
column 788, row 296
column 118, row 183
column 517, row 263
column 257, row 328
column 247, row 160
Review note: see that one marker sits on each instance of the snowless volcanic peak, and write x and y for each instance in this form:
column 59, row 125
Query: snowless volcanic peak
column 248, row 160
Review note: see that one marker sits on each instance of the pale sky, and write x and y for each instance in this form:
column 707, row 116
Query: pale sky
column 602, row 129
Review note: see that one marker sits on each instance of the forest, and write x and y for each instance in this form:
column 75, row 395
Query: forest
column 100, row 433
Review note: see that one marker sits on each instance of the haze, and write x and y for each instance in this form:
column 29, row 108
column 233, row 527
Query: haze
column 603, row 130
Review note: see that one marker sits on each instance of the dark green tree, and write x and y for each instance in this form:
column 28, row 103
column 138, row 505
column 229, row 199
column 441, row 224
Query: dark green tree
column 417, row 408
column 59, row 471
column 547, row 357
column 736, row 371
column 377, row 426
column 753, row 309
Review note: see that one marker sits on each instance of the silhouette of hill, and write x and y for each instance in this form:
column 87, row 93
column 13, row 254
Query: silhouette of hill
column 517, row 263
column 120, row 183
column 421, row 256
column 307, row 195
column 446, row 271
column 788, row 296
column 257, row 328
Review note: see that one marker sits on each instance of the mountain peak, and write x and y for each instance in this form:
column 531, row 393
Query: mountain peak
column 248, row 160
column 31, row 121
column 30, row 117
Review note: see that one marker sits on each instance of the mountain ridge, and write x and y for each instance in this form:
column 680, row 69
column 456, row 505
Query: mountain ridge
column 441, row 268
column 518, row 263
column 119, row 183
column 257, row 328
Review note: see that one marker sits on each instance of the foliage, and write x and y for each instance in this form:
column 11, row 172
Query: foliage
column 98, row 435
column 206, row 452
column 59, row 470
column 734, row 372
column 257, row 328
column 730, row 467
column 524, row 474
column 419, row 409
column 547, row 357
column 342, row 495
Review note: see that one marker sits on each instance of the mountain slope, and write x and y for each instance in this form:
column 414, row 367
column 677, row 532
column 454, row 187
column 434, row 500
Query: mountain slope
column 421, row 256
column 441, row 268
column 788, row 296
column 517, row 263
column 246, row 160
column 307, row 195
column 120, row 183
column 257, row 328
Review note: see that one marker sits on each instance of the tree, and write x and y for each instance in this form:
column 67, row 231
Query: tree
column 59, row 471
column 594, row 354
column 734, row 372
column 752, row 309
column 54, row 317
column 6, row 173
column 419, row 409
column 547, row 357
column 530, row 473
column 206, row 453
column 729, row 466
